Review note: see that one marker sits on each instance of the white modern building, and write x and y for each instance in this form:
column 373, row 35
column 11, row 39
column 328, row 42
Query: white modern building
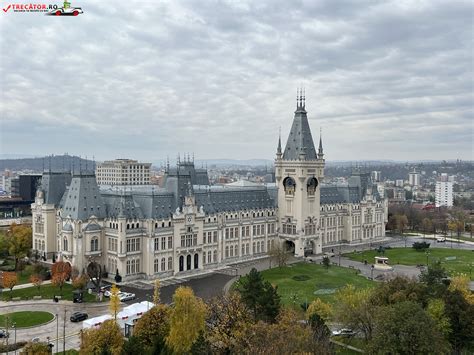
column 444, row 194
column 123, row 172
column 188, row 226
column 414, row 179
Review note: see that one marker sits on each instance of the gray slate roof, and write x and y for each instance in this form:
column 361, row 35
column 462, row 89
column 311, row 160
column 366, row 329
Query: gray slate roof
column 300, row 139
column 53, row 185
column 83, row 199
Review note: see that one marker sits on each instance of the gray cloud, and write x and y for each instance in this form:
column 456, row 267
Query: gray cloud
column 386, row 80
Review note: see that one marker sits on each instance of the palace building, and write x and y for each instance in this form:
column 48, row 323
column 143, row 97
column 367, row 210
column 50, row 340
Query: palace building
column 188, row 226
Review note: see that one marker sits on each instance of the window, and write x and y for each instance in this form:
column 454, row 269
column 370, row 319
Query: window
column 65, row 246
column 214, row 256
column 170, row 263
column 226, row 251
column 170, row 242
column 156, row 265
column 157, row 244
column 94, row 244
column 215, row 237
column 163, row 243
column 209, row 259
column 163, row 264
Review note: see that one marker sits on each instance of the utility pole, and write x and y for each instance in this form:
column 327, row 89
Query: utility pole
column 57, row 332
column 8, row 335
column 64, row 332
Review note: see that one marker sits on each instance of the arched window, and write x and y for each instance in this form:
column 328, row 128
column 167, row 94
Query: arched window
column 156, row 265
column 196, row 261
column 181, row 263
column 289, row 185
column 188, row 262
column 311, row 185
column 128, row 226
column 226, row 251
column 65, row 246
column 214, row 257
column 170, row 263
column 43, row 246
column 163, row 264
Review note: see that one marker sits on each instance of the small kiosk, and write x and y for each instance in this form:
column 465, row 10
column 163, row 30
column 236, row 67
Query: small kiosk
column 381, row 263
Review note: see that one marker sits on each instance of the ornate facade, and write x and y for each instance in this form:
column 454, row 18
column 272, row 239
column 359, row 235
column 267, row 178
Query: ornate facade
column 188, row 226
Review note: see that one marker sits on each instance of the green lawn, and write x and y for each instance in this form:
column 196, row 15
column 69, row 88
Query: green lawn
column 409, row 256
column 46, row 291
column 318, row 280
column 25, row 319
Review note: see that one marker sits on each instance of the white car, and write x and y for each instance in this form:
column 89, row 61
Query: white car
column 343, row 331
column 441, row 239
column 125, row 296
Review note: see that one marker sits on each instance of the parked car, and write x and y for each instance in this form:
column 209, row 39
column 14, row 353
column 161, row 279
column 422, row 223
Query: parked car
column 107, row 292
column 441, row 239
column 78, row 316
column 4, row 333
column 35, row 340
column 344, row 331
column 125, row 296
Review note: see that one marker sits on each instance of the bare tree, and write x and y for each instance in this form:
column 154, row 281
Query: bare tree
column 94, row 271
column 279, row 254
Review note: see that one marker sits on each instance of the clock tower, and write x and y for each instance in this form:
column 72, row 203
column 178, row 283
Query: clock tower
column 299, row 170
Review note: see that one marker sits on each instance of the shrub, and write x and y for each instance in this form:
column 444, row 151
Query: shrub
column 12, row 347
column 420, row 246
column 301, row 277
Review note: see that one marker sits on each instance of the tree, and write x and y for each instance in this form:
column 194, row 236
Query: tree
column 187, row 320
column 279, row 253
column 461, row 283
column 36, row 280
column 399, row 289
column 405, row 328
column 321, row 333
column 133, row 346
column 435, row 279
column 322, row 309
column 114, row 304
column 355, row 309
column 427, row 225
column 228, row 317
column 286, row 336
column 61, row 272
column 156, row 292
column 460, row 314
column 94, row 271
column 259, row 296
column 153, row 326
column 36, row 349
column 436, row 310
column 108, row 339
column 19, row 239
column 79, row 282
column 9, row 280
column 326, row 263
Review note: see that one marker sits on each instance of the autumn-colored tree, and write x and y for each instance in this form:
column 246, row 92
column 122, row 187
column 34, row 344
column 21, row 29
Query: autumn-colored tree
column 321, row 308
column 114, row 304
column 108, row 339
column 36, row 280
column 228, row 317
column 79, row 282
column 461, row 283
column 187, row 320
column 61, row 272
column 436, row 310
column 156, row 292
column 354, row 309
column 286, row 336
column 9, row 280
column 153, row 326
column 19, row 240
column 35, row 349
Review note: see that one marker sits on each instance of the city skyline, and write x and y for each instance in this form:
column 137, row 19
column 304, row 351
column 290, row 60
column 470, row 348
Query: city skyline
column 384, row 81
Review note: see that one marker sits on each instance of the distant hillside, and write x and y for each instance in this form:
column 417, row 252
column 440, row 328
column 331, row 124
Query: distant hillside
column 55, row 163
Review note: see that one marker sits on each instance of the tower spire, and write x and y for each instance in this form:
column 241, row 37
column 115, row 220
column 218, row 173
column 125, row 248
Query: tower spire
column 320, row 149
column 279, row 144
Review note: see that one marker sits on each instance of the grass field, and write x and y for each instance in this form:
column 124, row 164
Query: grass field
column 408, row 256
column 317, row 279
column 25, row 319
column 46, row 292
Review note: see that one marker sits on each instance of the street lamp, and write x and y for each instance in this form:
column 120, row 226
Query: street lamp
column 427, row 257
column 14, row 329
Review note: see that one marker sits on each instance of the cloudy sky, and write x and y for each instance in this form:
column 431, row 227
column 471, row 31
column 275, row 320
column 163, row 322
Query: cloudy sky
column 146, row 80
